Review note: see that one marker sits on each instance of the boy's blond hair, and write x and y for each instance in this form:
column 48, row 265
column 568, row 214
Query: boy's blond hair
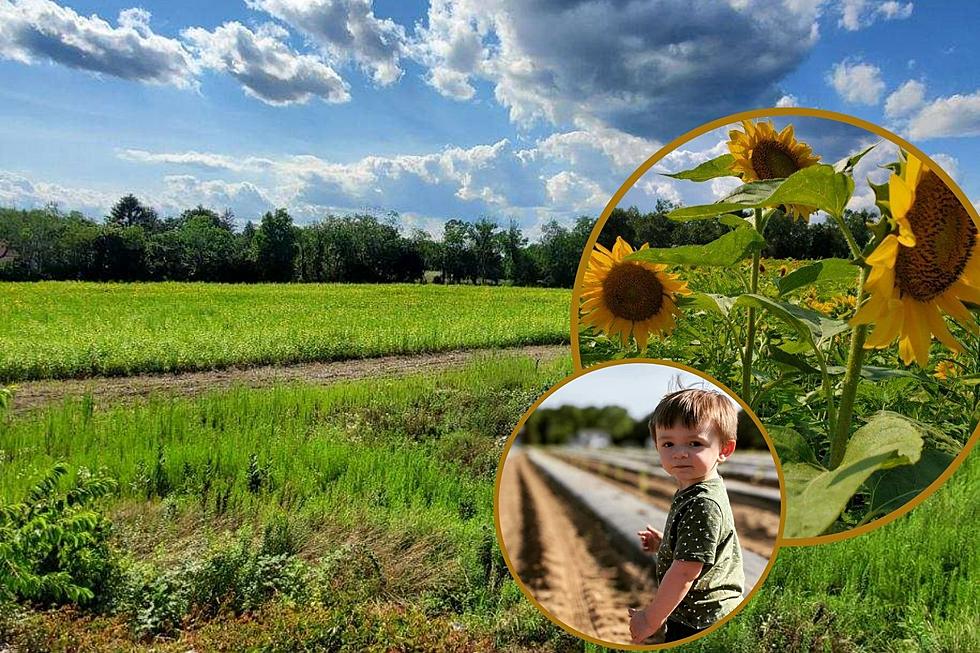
column 694, row 407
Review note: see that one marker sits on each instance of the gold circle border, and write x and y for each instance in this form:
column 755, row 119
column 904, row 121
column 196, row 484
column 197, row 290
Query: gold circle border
column 578, row 373
column 764, row 113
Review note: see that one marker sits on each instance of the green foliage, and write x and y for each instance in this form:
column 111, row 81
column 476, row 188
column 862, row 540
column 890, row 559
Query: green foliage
column 818, row 186
column 727, row 250
column 720, row 166
column 816, row 496
column 53, row 545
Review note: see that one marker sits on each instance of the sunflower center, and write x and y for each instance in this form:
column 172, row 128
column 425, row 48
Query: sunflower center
column 944, row 236
column 633, row 292
column 771, row 160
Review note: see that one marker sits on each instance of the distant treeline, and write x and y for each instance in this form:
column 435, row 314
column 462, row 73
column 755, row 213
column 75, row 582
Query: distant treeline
column 562, row 425
column 787, row 238
column 134, row 244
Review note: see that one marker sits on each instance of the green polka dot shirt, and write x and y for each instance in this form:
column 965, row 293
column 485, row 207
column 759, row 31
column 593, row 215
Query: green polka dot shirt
column 700, row 528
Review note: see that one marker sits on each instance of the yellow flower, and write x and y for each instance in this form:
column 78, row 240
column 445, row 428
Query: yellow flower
column 629, row 297
column 762, row 153
column 928, row 268
column 946, row 369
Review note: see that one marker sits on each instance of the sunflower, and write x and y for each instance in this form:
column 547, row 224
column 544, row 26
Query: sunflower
column 629, row 297
column 929, row 267
column 762, row 153
column 946, row 370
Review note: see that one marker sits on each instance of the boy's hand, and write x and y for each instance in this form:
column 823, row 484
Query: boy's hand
column 650, row 538
column 639, row 626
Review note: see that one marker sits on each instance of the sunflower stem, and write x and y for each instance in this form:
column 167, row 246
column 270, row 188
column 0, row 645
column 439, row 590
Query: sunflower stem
column 750, row 330
column 851, row 241
column 855, row 358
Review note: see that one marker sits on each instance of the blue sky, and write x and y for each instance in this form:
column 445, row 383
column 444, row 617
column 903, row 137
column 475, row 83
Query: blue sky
column 498, row 108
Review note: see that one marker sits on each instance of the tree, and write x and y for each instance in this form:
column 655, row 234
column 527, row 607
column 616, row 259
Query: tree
column 519, row 266
column 129, row 212
column 275, row 246
column 484, row 242
column 456, row 256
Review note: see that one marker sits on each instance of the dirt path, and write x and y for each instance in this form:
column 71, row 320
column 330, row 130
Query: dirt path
column 565, row 558
column 35, row 394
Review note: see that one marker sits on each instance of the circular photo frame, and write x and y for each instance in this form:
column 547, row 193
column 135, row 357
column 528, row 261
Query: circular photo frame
column 868, row 413
column 592, row 512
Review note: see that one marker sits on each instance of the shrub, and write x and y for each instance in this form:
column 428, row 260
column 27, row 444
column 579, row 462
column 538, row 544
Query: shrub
column 53, row 545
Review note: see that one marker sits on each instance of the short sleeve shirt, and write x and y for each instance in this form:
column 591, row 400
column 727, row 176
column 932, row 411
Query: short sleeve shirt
column 700, row 528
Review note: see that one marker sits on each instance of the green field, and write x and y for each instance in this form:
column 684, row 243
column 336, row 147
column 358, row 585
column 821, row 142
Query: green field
column 69, row 329
column 363, row 511
column 358, row 517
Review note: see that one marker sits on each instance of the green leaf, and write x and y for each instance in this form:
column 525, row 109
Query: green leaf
column 720, row 304
column 791, row 447
column 831, row 270
column 893, row 488
column 812, row 328
column 847, row 164
column 720, row 166
column 818, row 185
column 734, row 221
column 818, row 496
column 727, row 250
column 791, row 360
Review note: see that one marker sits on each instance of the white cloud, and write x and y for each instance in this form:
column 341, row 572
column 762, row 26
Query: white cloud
column 642, row 73
column 722, row 186
column 957, row 115
column 909, row 97
column 870, row 167
column 345, row 29
column 948, row 163
column 245, row 200
column 857, row 83
column 858, row 14
column 788, row 100
column 199, row 159
column 40, row 30
column 17, row 191
column 264, row 64
column 576, row 192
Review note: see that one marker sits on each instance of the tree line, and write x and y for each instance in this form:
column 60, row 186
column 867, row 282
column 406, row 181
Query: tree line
column 133, row 243
column 570, row 424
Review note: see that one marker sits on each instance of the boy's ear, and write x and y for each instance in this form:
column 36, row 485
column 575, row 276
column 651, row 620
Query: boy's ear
column 727, row 449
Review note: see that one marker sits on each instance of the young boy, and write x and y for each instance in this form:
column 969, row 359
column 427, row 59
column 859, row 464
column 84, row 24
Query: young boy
column 699, row 560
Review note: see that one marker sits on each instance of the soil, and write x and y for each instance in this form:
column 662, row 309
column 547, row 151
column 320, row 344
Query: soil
column 37, row 394
column 565, row 559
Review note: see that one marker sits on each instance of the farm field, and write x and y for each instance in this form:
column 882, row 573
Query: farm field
column 359, row 517
column 52, row 330
column 352, row 517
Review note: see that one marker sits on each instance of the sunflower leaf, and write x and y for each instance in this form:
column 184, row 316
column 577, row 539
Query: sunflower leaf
column 720, row 166
column 812, row 328
column 892, row 488
column 791, row 447
column 831, row 270
column 725, row 251
column 819, row 186
column 818, row 496
column 720, row 304
column 734, row 221
column 847, row 164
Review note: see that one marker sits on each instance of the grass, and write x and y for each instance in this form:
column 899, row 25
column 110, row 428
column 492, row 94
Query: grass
column 379, row 492
column 73, row 329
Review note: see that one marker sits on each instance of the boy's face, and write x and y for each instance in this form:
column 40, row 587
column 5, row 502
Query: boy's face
column 691, row 455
